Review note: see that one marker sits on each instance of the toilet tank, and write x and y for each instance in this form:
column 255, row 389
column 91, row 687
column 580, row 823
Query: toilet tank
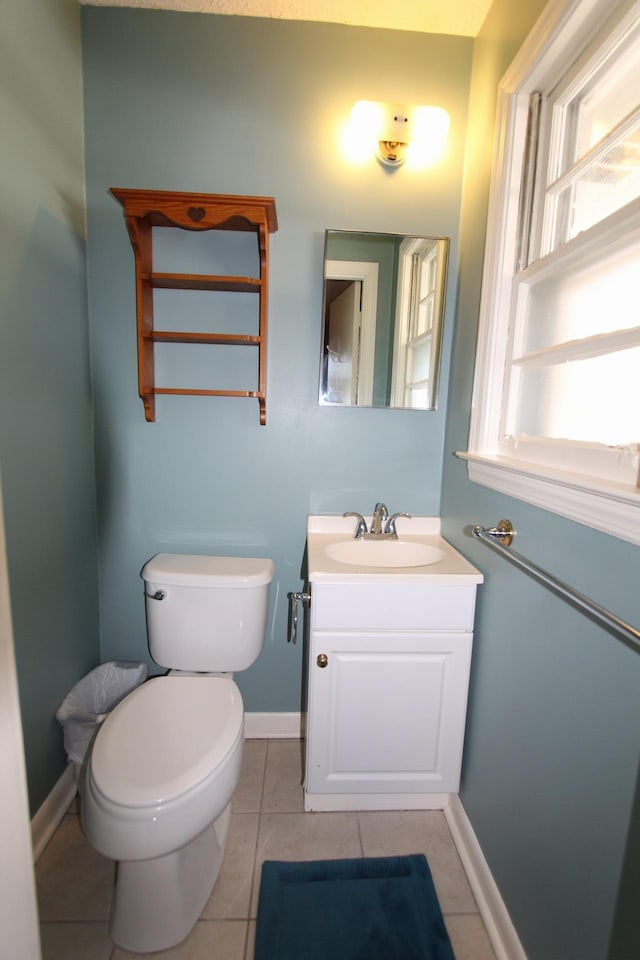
column 206, row 614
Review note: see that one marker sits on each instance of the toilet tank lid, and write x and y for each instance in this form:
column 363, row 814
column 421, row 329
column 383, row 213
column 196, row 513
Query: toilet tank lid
column 206, row 571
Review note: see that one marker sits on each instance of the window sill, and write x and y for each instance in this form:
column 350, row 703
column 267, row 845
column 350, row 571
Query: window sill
column 608, row 507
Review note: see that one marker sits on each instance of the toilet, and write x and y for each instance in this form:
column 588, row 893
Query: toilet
column 163, row 766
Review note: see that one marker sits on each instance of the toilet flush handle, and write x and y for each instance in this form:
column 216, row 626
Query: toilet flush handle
column 158, row 595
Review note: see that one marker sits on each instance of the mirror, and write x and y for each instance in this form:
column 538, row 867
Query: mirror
column 382, row 316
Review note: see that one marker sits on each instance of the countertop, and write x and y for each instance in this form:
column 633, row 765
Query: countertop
column 323, row 530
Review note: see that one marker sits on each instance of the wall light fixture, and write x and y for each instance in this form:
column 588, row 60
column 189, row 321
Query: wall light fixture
column 396, row 133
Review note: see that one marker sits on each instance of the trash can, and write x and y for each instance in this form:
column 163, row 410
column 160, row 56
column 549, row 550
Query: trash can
column 91, row 699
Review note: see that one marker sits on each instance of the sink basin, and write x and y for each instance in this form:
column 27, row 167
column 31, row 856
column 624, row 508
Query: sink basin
column 420, row 556
column 384, row 553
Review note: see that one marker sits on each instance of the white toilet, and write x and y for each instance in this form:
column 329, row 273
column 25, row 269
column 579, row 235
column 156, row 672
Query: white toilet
column 165, row 763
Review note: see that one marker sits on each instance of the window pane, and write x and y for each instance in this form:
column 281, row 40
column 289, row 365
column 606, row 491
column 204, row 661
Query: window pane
column 599, row 298
column 425, row 293
column 419, row 361
column 425, row 315
column 428, row 273
column 607, row 99
column 596, row 400
column 587, row 182
column 606, row 185
column 418, row 398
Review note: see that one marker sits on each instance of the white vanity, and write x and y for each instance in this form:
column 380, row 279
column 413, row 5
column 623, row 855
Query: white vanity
column 388, row 670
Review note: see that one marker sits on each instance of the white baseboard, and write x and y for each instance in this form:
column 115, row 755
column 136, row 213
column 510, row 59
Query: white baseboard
column 501, row 931
column 49, row 815
column 272, row 726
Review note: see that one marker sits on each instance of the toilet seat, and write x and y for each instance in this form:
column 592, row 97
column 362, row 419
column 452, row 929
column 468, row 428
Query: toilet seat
column 165, row 739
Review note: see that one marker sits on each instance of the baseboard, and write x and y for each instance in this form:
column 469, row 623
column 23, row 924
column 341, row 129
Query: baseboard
column 272, row 726
column 49, row 815
column 501, row 931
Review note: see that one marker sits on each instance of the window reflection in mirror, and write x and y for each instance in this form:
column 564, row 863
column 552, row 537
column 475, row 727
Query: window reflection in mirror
column 382, row 318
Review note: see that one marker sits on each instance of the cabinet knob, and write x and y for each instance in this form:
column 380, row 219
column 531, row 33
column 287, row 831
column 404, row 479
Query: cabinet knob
column 322, row 660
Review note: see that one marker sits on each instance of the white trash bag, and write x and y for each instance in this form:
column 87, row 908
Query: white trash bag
column 92, row 698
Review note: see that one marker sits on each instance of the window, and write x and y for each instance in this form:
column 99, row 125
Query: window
column 556, row 413
column 421, row 276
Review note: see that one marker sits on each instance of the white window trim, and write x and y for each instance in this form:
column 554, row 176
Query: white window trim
column 596, row 503
column 403, row 303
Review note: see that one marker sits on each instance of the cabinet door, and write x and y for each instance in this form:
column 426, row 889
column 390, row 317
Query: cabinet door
column 387, row 712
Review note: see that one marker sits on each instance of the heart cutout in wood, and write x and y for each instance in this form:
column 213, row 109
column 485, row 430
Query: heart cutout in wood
column 196, row 213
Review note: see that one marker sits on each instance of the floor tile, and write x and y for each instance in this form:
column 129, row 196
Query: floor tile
column 283, row 778
column 468, row 937
column 75, row 941
column 394, row 833
column 231, row 895
column 209, row 940
column 248, row 795
column 73, row 881
column 304, row 836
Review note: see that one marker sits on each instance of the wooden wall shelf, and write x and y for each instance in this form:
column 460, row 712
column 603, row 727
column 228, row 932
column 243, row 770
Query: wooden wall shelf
column 145, row 209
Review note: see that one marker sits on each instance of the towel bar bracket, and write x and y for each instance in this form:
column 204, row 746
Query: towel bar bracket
column 502, row 533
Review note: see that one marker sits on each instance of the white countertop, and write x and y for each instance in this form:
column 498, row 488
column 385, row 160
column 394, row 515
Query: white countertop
column 323, row 530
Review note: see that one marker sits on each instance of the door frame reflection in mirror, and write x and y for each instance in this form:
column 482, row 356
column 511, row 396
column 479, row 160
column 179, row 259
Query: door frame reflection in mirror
column 360, row 279
column 396, row 322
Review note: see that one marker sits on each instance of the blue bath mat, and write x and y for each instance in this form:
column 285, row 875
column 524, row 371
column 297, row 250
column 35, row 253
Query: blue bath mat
column 382, row 908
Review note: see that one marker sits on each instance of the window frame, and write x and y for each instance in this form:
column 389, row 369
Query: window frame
column 409, row 295
column 559, row 37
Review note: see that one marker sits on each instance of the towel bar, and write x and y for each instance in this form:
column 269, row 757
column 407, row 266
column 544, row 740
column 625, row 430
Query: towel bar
column 499, row 538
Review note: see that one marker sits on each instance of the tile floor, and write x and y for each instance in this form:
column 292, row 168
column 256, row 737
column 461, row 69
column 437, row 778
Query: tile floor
column 268, row 822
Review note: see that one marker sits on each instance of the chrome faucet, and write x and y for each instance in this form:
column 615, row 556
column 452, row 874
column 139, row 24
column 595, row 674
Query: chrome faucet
column 361, row 525
column 380, row 513
column 390, row 529
column 378, row 530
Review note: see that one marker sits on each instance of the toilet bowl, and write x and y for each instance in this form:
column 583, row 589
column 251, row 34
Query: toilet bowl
column 162, row 775
column 164, row 765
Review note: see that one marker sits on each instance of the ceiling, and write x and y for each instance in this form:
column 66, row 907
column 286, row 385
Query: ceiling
column 458, row 17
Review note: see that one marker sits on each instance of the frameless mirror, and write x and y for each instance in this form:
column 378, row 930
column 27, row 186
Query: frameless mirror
column 382, row 318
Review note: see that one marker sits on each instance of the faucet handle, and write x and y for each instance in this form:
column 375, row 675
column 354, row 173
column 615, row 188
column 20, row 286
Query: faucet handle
column 391, row 523
column 361, row 525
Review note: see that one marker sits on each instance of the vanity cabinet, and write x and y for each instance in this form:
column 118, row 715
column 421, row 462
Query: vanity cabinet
column 388, row 675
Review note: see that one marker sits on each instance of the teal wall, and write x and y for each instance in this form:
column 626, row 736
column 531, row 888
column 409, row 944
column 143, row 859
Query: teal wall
column 551, row 753
column 46, row 441
column 244, row 106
